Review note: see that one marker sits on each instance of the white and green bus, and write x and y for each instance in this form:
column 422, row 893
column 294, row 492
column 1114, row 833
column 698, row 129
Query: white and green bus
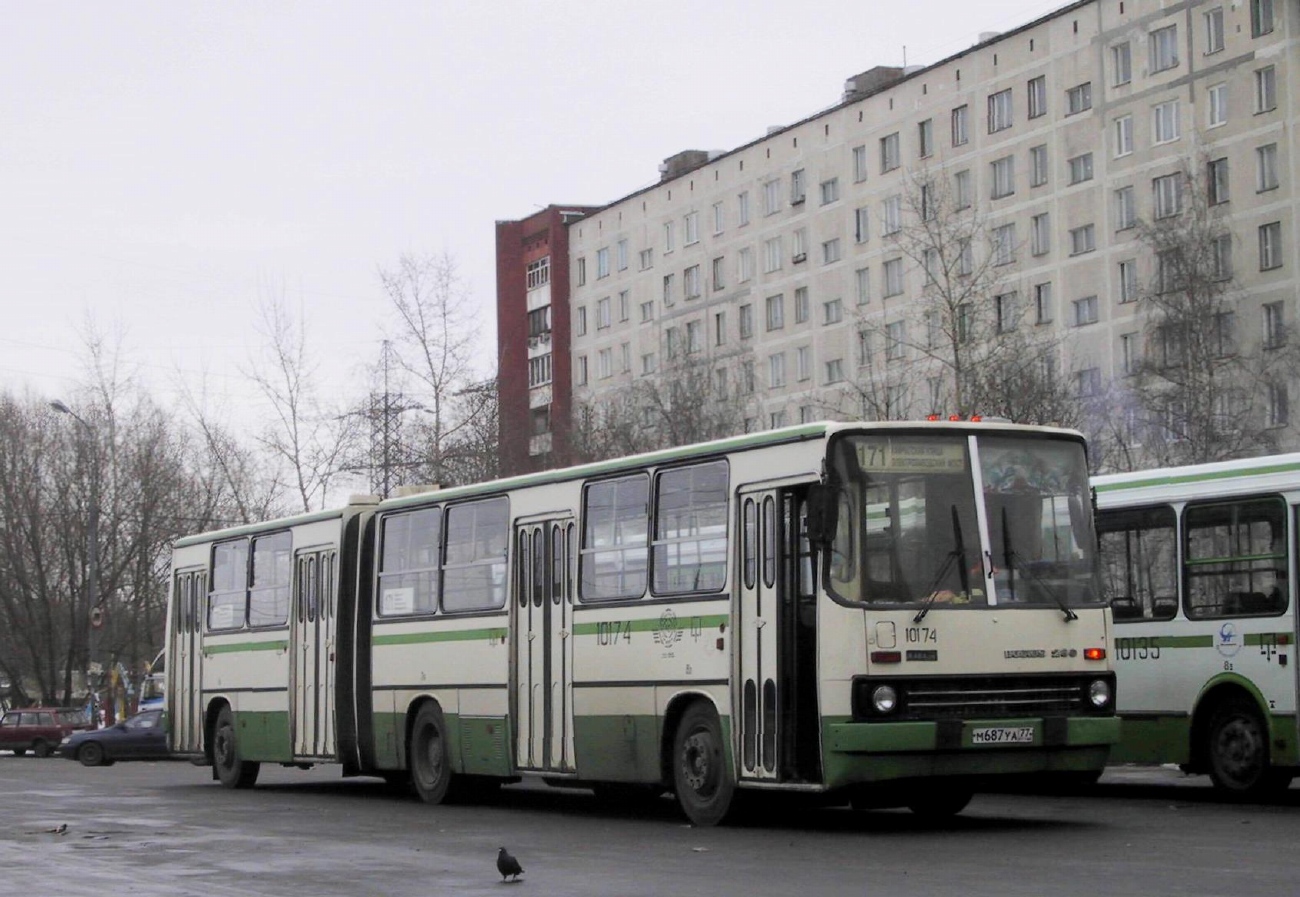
column 891, row 614
column 1199, row 564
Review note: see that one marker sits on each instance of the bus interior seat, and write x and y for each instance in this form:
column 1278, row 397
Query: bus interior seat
column 1125, row 608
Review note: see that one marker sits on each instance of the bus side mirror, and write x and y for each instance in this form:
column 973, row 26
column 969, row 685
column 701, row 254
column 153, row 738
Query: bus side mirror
column 823, row 513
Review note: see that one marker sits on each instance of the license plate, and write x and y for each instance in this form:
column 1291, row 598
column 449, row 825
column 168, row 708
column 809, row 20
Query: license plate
column 1003, row 735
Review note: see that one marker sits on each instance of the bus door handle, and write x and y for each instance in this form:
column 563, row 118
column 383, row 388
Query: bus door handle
column 760, row 622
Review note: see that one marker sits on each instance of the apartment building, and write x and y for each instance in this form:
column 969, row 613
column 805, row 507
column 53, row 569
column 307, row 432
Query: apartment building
column 1061, row 136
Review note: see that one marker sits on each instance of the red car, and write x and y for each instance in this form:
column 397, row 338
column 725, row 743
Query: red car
column 39, row 729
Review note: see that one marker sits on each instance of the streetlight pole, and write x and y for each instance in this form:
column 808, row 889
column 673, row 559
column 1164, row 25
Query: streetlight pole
column 92, row 534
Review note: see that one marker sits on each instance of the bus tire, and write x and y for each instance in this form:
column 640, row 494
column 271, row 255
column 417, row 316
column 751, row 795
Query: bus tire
column 1237, row 751
column 91, row 754
column 232, row 771
column 940, row 800
column 430, row 754
column 702, row 780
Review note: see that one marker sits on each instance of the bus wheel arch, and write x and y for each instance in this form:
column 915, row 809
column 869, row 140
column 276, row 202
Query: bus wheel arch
column 429, row 751
column 703, row 778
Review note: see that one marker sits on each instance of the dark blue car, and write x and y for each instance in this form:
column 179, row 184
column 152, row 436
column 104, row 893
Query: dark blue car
column 142, row 737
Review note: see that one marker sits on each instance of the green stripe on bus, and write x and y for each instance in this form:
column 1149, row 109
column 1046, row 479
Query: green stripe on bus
column 1199, row 477
column 442, row 635
column 1207, row 641
column 653, row 625
column 239, row 647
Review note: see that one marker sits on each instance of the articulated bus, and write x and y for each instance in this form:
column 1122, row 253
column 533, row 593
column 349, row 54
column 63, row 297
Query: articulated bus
column 888, row 614
column 1199, row 564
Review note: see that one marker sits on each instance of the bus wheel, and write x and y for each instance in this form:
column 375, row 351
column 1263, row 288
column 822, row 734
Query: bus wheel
column 231, row 770
column 91, row 754
column 940, row 801
column 1238, row 752
column 430, row 757
column 705, row 786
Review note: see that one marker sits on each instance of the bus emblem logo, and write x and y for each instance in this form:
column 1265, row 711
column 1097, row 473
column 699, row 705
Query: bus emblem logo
column 668, row 634
column 1228, row 641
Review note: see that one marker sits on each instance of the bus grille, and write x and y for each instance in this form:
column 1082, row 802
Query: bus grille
column 976, row 697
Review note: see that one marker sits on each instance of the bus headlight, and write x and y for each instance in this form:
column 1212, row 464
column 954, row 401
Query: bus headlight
column 1099, row 693
column 884, row 699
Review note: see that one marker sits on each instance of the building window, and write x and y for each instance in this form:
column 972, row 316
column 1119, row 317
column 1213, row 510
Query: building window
column 742, row 208
column 835, row 370
column 930, row 264
column 1130, row 353
column 719, row 273
column 720, row 328
column 1165, row 122
column 1125, row 209
column 668, row 298
column 1261, row 17
column 747, row 377
column 539, row 324
column 963, row 194
column 893, row 274
column 1164, row 48
column 1121, row 63
column 605, row 364
column 1004, row 244
column 1043, row 310
column 538, row 273
column 803, row 362
column 800, row 305
column 580, row 371
column 1000, row 111
column 1080, row 168
column 772, row 255
column 776, row 370
column 580, row 325
column 1037, row 90
column 647, row 312
column 1128, row 281
column 692, row 285
column 830, row 251
column 859, row 164
column 1223, row 337
column 670, row 235
column 1167, row 192
column 1078, row 98
column 746, row 321
column 1270, row 246
column 745, row 265
column 1085, row 311
column 1123, row 135
column 1218, row 97
column 1277, row 414
column 1008, row 314
column 621, row 251
column 648, row 364
column 1221, row 260
column 1266, row 167
column 1274, row 325
column 895, row 340
column 1216, row 180
column 1088, row 382
column 1004, row 176
column 1265, row 89
column 864, row 348
column 1213, row 30
column 1040, row 234
column 539, row 370
column 775, row 312
column 863, row 278
column 892, row 215
column 830, row 190
column 582, row 271
column 798, row 189
column 603, row 317
column 719, row 218
column 1037, row 165
column 965, row 257
column 1082, row 239
column 925, row 138
column 861, row 224
column 646, row 259
column 772, row 197
column 960, row 125
column 832, row 312
column 692, row 228
column 889, row 155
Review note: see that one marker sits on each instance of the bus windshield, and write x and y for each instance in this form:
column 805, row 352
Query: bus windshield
column 919, row 524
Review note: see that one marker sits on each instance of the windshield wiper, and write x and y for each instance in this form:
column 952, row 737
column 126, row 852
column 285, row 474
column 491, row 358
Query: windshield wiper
column 958, row 554
column 1010, row 556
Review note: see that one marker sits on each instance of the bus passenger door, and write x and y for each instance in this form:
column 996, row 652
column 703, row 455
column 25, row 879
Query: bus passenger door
column 542, row 696
column 313, row 647
column 184, row 683
column 759, row 622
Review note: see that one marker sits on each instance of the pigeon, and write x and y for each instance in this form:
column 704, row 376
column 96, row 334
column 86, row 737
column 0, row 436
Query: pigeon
column 508, row 865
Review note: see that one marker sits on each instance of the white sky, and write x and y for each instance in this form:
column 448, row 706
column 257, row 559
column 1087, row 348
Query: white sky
column 166, row 166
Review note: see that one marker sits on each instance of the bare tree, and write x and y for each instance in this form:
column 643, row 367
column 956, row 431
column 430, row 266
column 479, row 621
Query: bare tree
column 1198, row 390
column 964, row 343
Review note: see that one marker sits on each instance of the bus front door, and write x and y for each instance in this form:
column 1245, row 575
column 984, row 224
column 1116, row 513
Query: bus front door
column 542, row 697
column 313, row 647
column 184, row 680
